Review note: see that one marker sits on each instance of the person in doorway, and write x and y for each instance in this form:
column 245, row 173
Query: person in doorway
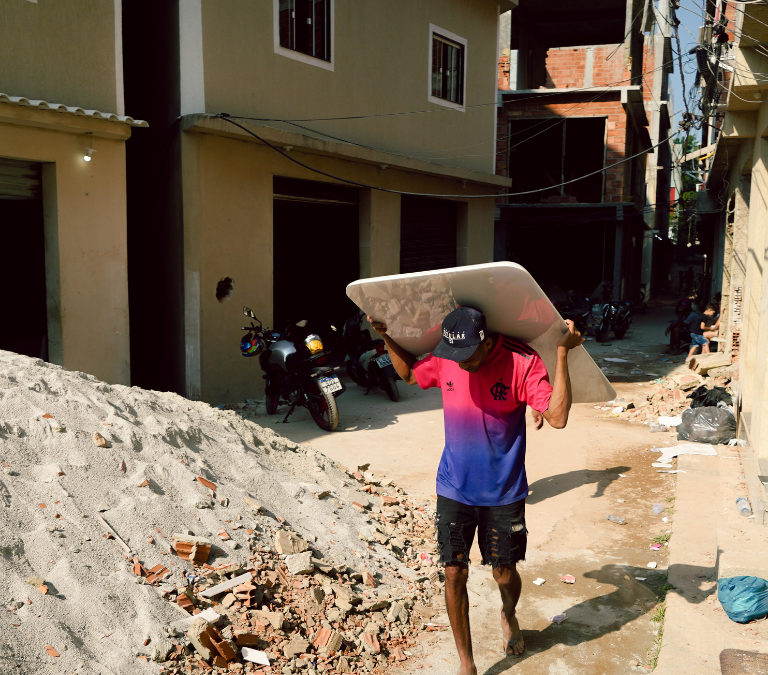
column 694, row 322
column 710, row 324
column 486, row 380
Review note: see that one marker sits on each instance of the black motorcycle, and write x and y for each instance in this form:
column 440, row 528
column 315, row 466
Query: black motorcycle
column 368, row 363
column 294, row 364
column 617, row 317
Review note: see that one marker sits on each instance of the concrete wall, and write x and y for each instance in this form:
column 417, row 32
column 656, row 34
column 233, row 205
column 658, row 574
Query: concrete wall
column 85, row 223
column 228, row 232
column 62, row 52
column 380, row 64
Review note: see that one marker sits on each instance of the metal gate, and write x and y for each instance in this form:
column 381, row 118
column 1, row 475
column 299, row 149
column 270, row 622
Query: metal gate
column 427, row 234
column 19, row 179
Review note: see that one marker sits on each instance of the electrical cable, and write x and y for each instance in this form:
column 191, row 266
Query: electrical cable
column 226, row 118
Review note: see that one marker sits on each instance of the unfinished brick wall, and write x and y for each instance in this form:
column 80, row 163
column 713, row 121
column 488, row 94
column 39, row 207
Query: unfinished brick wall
column 616, row 121
column 571, row 67
column 503, row 83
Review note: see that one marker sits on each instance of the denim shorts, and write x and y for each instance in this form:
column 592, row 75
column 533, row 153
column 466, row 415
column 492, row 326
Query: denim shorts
column 501, row 532
column 698, row 340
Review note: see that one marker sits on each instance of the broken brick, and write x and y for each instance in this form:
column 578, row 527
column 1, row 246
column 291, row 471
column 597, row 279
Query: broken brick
column 399, row 656
column 193, row 548
column 43, row 589
column 51, row 651
column 371, row 643
column 246, row 639
column 100, row 441
column 223, row 535
column 42, row 506
column 321, row 639
column 47, row 416
column 206, row 483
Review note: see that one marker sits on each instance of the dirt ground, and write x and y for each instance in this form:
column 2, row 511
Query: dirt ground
column 578, row 476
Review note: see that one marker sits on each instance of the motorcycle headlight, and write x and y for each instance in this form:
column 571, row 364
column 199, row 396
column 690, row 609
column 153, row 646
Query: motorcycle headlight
column 314, row 344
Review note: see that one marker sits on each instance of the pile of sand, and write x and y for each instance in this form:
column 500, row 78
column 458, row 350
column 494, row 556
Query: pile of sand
column 57, row 484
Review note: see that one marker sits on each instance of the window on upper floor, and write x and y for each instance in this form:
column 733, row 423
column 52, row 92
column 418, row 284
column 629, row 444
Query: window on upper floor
column 447, row 68
column 305, row 26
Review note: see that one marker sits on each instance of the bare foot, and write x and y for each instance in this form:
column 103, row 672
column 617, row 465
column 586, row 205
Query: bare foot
column 510, row 629
column 472, row 670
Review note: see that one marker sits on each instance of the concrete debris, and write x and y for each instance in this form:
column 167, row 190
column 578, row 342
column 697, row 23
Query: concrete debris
column 300, row 563
column 221, row 583
column 100, row 441
column 289, row 543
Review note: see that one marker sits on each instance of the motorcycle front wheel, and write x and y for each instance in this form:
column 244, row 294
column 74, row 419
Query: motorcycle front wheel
column 389, row 385
column 352, row 372
column 604, row 330
column 621, row 331
column 324, row 410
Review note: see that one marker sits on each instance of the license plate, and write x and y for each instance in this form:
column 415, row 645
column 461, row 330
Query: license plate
column 383, row 360
column 330, row 384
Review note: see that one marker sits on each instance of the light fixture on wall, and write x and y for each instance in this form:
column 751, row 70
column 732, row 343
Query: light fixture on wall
column 89, row 151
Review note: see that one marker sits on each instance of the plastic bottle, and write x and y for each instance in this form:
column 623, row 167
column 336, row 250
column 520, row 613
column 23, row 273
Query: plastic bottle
column 617, row 519
column 657, row 509
column 656, row 428
column 743, row 507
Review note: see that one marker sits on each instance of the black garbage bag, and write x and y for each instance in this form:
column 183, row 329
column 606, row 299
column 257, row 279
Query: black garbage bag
column 707, row 425
column 702, row 397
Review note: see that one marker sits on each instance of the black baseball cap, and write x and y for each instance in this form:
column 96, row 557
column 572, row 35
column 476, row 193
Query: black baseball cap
column 463, row 331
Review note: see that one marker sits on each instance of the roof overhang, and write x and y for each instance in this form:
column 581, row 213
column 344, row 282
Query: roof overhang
column 563, row 23
column 211, row 124
column 552, row 214
column 505, row 5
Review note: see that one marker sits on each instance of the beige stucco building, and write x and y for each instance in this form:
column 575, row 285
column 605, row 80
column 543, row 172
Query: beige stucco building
column 737, row 194
column 63, row 281
column 281, row 212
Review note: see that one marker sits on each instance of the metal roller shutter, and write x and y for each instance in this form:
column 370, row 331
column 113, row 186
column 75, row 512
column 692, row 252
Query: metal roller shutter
column 19, row 179
column 427, row 234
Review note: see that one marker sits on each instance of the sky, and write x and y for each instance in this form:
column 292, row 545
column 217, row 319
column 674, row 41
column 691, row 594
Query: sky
column 690, row 16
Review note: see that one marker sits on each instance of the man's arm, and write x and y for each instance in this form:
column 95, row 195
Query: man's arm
column 560, row 401
column 401, row 359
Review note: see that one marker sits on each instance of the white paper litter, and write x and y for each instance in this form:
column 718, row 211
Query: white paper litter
column 660, row 465
column 614, row 360
column 539, row 581
column 685, row 449
column 255, row 656
column 673, row 471
column 737, row 441
column 670, row 421
column 640, row 578
column 652, row 565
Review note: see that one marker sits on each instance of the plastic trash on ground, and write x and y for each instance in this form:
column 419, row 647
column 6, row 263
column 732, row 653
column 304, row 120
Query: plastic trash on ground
column 702, row 397
column 652, row 565
column 743, row 598
column 616, row 519
column 539, row 581
column 670, row 421
column 707, row 425
column 743, row 506
column 557, row 618
column 656, row 428
column 657, row 509
column 568, row 579
column 684, row 449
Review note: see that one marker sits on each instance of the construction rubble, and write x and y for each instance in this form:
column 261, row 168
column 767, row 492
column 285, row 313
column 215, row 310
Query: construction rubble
column 143, row 532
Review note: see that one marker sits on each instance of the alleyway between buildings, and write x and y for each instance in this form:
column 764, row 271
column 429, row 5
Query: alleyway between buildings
column 597, row 466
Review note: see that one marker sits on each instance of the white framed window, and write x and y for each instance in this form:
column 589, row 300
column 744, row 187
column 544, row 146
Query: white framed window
column 447, row 68
column 303, row 31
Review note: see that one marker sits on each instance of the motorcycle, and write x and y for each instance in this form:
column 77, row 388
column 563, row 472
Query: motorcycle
column 577, row 310
column 367, row 361
column 617, row 317
column 294, row 367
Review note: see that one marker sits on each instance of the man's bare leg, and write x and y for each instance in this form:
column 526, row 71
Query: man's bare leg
column 510, row 586
column 457, row 604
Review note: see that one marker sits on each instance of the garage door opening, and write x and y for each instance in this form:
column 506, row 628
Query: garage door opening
column 427, row 234
column 24, row 325
column 316, row 254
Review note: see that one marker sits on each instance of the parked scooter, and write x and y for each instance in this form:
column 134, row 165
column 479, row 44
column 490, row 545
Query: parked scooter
column 294, row 367
column 368, row 363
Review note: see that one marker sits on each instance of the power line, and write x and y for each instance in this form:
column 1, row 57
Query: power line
column 227, row 118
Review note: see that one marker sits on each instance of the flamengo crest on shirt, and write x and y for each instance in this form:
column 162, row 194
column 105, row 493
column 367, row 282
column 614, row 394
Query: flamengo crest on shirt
column 499, row 391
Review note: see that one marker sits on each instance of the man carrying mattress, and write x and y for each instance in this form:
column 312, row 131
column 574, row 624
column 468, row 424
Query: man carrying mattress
column 487, row 382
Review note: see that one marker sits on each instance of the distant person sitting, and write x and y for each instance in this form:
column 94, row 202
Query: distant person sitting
column 678, row 332
column 710, row 324
column 694, row 322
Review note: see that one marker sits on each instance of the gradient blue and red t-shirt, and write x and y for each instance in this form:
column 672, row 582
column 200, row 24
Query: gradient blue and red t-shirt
column 483, row 463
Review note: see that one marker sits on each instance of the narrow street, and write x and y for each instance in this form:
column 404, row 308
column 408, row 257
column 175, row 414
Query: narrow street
column 594, row 468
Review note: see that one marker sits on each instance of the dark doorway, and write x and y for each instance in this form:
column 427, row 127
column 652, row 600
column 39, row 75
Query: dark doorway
column 316, row 254
column 427, row 234
column 559, row 150
column 24, row 325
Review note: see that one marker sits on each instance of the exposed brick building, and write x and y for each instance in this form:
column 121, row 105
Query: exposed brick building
column 573, row 110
